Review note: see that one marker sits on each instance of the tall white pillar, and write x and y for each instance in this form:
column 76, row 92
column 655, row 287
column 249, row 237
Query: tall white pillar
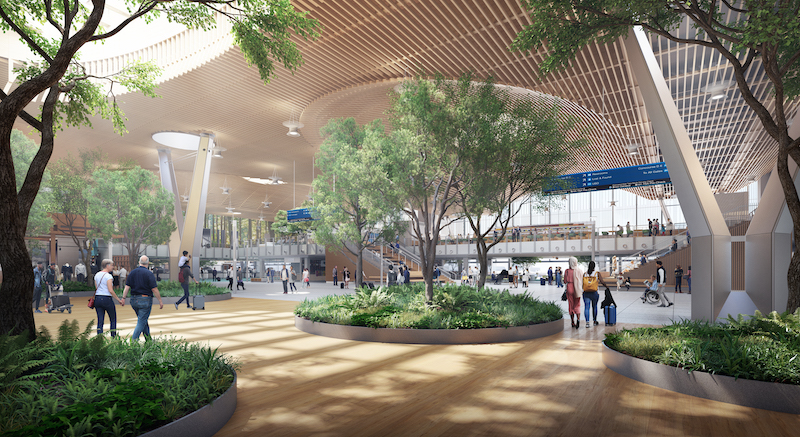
column 192, row 235
column 711, row 240
column 768, row 243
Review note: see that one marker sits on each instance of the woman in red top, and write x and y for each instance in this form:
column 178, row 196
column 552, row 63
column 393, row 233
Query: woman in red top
column 574, row 291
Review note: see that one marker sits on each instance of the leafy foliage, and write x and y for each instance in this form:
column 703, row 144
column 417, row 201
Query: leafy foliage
column 132, row 203
column 353, row 212
column 452, row 307
column 763, row 348
column 112, row 387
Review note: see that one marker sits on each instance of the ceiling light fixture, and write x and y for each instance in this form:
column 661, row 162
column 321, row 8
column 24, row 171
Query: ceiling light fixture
column 293, row 126
column 633, row 149
column 225, row 188
column 718, row 89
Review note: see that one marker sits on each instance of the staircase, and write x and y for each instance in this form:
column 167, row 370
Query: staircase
column 682, row 256
column 396, row 258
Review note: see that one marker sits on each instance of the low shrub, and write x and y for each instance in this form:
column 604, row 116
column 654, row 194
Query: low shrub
column 81, row 385
column 166, row 288
column 452, row 307
column 762, row 348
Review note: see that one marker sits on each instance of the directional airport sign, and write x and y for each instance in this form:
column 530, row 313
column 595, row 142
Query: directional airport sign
column 625, row 177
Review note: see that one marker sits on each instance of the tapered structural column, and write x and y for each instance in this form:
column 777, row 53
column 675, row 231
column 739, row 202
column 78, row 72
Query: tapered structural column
column 768, row 243
column 192, row 235
column 168, row 181
column 711, row 240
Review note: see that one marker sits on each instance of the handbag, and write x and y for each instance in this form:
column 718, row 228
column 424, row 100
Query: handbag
column 564, row 296
column 589, row 283
column 91, row 299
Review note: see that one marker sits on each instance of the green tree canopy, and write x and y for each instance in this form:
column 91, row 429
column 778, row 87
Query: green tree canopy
column 353, row 212
column 131, row 203
column 283, row 228
column 740, row 30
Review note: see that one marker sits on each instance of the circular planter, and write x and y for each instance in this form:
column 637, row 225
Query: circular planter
column 773, row 396
column 203, row 422
column 430, row 336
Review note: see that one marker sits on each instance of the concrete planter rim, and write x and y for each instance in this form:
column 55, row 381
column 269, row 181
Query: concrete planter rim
column 772, row 396
column 204, row 422
column 430, row 336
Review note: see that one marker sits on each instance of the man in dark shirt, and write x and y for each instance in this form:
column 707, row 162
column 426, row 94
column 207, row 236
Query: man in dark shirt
column 142, row 284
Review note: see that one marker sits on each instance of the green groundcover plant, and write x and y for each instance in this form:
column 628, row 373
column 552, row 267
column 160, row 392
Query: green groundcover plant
column 452, row 307
column 762, row 348
column 77, row 385
column 166, row 288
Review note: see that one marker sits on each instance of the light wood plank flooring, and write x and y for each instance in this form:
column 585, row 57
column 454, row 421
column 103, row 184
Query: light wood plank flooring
column 296, row 384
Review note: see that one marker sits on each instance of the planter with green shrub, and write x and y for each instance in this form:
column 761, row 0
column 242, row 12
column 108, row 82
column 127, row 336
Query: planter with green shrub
column 166, row 288
column 81, row 385
column 456, row 315
column 750, row 361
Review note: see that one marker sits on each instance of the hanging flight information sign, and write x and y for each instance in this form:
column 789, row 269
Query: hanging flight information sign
column 299, row 215
column 625, row 177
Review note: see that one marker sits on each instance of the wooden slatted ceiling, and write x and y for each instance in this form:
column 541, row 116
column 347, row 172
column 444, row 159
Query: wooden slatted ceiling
column 368, row 46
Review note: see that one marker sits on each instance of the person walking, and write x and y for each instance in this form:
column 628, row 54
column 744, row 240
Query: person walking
column 50, row 283
column 346, row 277
column 590, row 292
column 406, row 276
column 186, row 273
column 239, row 278
column 285, row 279
column 549, row 276
column 306, row 279
column 391, row 277
column 573, row 280
column 230, row 279
column 336, row 276
column 661, row 276
column 292, row 279
column 678, row 278
column 104, row 296
column 38, row 284
column 143, row 286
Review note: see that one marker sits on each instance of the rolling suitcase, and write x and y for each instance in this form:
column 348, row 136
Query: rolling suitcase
column 198, row 300
column 610, row 314
column 341, row 285
column 542, row 281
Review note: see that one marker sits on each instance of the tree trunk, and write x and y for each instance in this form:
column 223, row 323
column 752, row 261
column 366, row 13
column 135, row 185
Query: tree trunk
column 483, row 260
column 793, row 204
column 360, row 269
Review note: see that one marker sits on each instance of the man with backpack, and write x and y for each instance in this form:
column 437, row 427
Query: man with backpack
column 391, row 277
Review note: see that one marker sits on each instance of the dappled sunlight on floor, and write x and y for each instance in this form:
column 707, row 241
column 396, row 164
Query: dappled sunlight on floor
column 296, row 384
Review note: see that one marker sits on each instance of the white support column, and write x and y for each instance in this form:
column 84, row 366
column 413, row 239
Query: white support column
column 768, row 243
column 711, row 240
column 168, row 181
column 192, row 235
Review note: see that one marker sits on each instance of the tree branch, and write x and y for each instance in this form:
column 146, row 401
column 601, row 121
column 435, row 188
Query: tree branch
column 25, row 37
column 31, row 120
column 144, row 8
column 48, row 7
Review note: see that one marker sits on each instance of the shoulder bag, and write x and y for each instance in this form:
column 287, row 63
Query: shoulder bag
column 91, row 299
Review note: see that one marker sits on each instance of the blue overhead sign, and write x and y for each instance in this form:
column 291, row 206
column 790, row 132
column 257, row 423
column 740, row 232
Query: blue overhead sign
column 299, row 215
column 625, row 177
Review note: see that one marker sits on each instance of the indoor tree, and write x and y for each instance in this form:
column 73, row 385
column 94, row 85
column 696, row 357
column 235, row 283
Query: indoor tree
column 133, row 204
column 352, row 213
column 525, row 150
column 765, row 31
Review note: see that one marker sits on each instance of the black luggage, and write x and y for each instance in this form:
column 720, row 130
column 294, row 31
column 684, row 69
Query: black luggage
column 341, row 285
column 542, row 281
column 371, row 285
column 198, row 300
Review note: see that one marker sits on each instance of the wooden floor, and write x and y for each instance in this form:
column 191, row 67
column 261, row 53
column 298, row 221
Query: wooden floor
column 297, row 384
